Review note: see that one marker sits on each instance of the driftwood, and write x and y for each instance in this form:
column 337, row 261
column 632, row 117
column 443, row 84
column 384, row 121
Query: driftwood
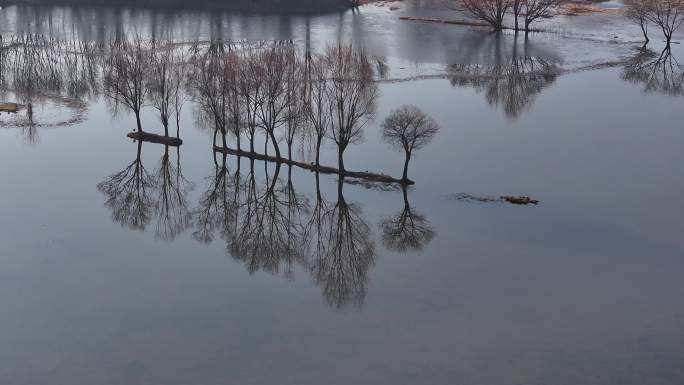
column 154, row 138
column 10, row 107
column 365, row 175
column 520, row 200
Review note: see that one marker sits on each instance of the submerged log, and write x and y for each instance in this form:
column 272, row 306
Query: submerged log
column 366, row 175
column 10, row 107
column 154, row 138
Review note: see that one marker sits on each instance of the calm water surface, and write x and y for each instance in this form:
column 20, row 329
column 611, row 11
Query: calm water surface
column 585, row 288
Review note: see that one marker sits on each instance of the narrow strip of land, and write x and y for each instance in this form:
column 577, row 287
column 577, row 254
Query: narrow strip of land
column 366, row 175
column 154, row 138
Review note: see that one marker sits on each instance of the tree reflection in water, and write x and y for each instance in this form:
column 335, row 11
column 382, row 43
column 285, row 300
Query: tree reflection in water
column 129, row 194
column 659, row 73
column 408, row 230
column 135, row 196
column 512, row 83
column 171, row 206
column 340, row 267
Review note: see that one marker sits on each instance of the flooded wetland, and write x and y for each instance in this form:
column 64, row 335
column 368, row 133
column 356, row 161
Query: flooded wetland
column 367, row 195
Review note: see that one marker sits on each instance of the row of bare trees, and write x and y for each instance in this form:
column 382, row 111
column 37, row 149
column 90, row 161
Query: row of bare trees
column 667, row 15
column 139, row 73
column 494, row 12
column 276, row 91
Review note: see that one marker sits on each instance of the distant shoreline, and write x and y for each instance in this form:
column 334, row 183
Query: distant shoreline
column 252, row 6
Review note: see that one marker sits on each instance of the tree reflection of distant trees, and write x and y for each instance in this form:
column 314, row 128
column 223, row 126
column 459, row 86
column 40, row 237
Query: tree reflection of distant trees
column 512, row 83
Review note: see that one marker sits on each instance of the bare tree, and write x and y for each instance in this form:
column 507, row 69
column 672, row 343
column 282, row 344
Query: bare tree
column 638, row 11
column 294, row 94
column 536, row 9
column 667, row 14
column 317, row 105
column 352, row 95
column 212, row 87
column 410, row 129
column 276, row 64
column 250, row 85
column 491, row 12
column 160, row 84
column 126, row 72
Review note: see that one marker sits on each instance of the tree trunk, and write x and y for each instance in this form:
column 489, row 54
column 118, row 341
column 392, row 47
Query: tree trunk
column 406, row 164
column 318, row 150
column 644, row 30
column 275, row 143
column 340, row 158
column 137, row 120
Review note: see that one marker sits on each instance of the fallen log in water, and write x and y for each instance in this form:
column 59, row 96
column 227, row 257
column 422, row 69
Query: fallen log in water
column 365, row 175
column 10, row 107
column 154, row 138
column 520, row 200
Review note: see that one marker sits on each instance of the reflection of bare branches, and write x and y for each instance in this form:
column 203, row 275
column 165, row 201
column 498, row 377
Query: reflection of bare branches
column 658, row 73
column 128, row 194
column 171, row 209
column 406, row 231
column 218, row 206
column 270, row 227
column 341, row 266
column 514, row 85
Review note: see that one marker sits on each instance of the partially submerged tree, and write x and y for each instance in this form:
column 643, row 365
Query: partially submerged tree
column 410, row 129
column 126, row 71
column 638, row 11
column 668, row 15
column 352, row 95
column 533, row 10
column 317, row 106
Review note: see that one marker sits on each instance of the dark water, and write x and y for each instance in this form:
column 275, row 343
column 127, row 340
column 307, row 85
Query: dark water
column 584, row 288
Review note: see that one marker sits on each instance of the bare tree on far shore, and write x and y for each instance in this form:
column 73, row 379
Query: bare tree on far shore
column 491, row 12
column 352, row 95
column 533, row 10
column 410, row 129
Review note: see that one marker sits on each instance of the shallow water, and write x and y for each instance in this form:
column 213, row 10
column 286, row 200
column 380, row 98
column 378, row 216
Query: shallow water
column 584, row 288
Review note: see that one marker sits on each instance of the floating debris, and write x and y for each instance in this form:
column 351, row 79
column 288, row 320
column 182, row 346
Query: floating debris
column 516, row 200
column 463, row 197
column 520, row 200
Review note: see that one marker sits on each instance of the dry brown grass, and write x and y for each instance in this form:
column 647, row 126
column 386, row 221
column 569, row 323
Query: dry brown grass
column 577, row 9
